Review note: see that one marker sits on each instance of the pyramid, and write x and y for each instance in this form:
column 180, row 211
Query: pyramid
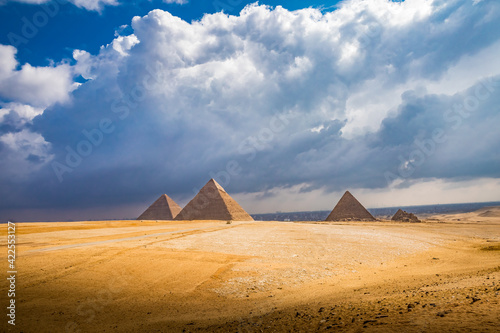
column 162, row 209
column 213, row 203
column 403, row 216
column 348, row 209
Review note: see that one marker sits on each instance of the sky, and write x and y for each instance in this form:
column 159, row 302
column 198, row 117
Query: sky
column 107, row 104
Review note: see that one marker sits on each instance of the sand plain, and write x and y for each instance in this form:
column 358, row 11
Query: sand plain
column 208, row 276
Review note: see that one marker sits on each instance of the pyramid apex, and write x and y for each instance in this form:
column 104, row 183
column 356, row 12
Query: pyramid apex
column 217, row 185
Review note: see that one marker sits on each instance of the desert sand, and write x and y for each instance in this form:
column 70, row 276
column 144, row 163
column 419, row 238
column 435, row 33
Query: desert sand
column 209, row 276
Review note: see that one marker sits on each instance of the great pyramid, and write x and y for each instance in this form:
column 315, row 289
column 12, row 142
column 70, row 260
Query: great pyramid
column 403, row 216
column 162, row 209
column 213, row 203
column 349, row 209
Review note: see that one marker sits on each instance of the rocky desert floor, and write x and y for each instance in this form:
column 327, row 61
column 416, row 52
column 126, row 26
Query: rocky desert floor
column 441, row 275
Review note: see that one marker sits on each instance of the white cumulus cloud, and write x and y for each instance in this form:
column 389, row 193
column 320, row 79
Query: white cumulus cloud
column 37, row 86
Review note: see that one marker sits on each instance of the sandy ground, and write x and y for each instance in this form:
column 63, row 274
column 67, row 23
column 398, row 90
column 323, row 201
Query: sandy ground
column 442, row 275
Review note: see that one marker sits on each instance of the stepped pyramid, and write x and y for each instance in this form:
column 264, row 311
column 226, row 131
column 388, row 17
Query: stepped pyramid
column 162, row 209
column 403, row 216
column 349, row 209
column 213, row 203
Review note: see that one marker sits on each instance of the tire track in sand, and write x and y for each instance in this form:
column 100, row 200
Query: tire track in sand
column 109, row 241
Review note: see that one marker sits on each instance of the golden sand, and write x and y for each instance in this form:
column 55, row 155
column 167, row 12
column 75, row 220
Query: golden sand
column 205, row 276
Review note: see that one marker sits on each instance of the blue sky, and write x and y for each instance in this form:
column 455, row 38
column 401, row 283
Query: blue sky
column 105, row 105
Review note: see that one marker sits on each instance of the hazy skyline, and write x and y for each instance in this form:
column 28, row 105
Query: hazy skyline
column 106, row 105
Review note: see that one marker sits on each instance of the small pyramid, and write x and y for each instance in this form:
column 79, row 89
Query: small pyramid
column 403, row 216
column 162, row 209
column 213, row 203
column 349, row 209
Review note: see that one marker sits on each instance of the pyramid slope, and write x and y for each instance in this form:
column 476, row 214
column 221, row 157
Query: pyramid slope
column 213, row 203
column 164, row 208
column 349, row 208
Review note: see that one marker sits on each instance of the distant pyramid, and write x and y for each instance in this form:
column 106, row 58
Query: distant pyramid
column 349, row 209
column 403, row 216
column 213, row 203
column 162, row 209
